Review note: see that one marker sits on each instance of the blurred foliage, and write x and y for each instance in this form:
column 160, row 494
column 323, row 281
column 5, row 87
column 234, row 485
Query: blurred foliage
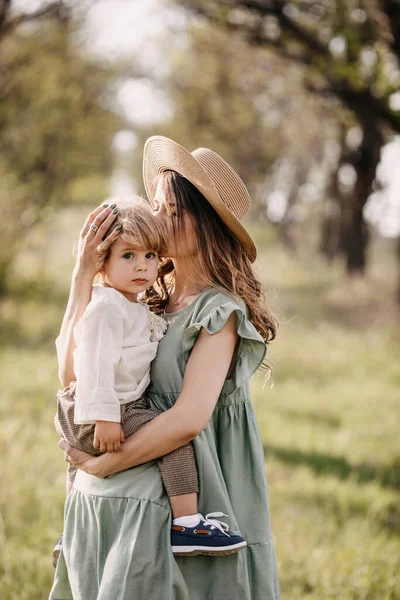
column 217, row 97
column 245, row 103
column 345, row 50
column 56, row 128
column 255, row 89
column 329, row 39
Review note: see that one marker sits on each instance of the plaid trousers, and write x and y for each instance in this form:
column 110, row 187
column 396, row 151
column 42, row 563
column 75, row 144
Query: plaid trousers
column 178, row 468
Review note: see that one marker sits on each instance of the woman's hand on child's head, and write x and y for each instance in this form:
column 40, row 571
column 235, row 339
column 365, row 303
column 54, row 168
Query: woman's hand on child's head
column 108, row 436
column 91, row 236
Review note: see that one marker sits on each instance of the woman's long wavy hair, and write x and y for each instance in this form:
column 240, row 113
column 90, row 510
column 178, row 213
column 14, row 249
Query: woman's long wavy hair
column 221, row 261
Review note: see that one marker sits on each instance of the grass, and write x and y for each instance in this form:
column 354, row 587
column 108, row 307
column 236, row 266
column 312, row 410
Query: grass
column 329, row 424
column 330, row 431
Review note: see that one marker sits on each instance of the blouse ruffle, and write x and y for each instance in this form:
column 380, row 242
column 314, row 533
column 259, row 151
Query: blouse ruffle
column 158, row 326
column 251, row 350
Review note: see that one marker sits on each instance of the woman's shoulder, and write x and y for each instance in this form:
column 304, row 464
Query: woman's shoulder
column 213, row 299
column 213, row 309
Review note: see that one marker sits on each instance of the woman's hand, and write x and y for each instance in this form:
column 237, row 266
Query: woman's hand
column 93, row 465
column 91, row 237
column 205, row 374
column 90, row 242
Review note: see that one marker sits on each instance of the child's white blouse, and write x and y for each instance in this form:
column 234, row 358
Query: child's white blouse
column 116, row 341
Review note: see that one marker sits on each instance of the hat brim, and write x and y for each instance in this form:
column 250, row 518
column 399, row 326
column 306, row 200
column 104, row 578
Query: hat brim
column 163, row 154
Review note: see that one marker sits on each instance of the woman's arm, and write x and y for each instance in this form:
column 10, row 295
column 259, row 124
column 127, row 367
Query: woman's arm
column 81, row 286
column 79, row 298
column 205, row 375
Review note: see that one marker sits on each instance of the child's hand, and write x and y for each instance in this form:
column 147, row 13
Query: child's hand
column 108, row 436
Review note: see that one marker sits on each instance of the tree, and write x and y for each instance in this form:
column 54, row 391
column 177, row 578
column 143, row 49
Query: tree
column 244, row 103
column 56, row 126
column 8, row 21
column 344, row 49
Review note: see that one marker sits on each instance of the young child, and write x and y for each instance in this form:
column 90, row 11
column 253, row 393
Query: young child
column 117, row 338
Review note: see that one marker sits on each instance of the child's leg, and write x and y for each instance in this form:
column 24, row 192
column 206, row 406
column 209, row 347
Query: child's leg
column 183, row 505
column 78, row 436
column 70, row 478
column 191, row 533
column 179, row 473
column 181, row 483
column 69, row 482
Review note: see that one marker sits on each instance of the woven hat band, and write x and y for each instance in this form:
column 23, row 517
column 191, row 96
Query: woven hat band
column 230, row 187
column 220, row 185
column 171, row 155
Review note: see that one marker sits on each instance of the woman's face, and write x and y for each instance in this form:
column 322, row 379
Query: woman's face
column 165, row 211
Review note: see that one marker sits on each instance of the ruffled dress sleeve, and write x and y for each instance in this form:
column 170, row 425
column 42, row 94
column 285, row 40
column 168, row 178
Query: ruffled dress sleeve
column 251, row 350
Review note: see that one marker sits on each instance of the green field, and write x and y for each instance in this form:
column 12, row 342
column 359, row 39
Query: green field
column 329, row 424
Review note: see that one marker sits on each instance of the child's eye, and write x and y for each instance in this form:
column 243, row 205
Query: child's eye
column 151, row 255
column 127, row 255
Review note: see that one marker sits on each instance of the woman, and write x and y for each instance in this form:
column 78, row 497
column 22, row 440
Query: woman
column 116, row 542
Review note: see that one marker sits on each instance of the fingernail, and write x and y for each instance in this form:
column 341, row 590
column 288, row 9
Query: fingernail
column 105, row 205
column 118, row 228
column 113, row 205
column 115, row 211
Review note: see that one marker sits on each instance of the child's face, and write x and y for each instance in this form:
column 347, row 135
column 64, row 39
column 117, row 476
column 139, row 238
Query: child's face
column 130, row 271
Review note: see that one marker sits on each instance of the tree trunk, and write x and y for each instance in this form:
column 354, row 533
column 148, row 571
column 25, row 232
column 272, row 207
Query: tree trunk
column 331, row 225
column 5, row 266
column 331, row 228
column 355, row 230
column 288, row 224
column 398, row 285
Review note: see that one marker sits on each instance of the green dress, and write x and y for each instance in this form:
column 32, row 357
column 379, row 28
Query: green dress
column 117, row 530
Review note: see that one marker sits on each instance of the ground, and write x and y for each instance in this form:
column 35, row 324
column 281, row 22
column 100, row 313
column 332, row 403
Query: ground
column 329, row 424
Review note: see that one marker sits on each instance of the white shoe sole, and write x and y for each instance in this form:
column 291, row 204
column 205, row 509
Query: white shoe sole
column 207, row 550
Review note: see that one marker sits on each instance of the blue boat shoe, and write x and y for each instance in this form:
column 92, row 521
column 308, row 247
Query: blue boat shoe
column 208, row 537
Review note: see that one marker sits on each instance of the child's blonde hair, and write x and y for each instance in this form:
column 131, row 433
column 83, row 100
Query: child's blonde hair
column 140, row 228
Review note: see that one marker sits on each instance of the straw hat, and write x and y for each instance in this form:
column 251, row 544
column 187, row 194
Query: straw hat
column 209, row 173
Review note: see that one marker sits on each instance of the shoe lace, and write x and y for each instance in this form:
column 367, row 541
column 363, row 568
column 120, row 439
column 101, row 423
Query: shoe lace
column 215, row 523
